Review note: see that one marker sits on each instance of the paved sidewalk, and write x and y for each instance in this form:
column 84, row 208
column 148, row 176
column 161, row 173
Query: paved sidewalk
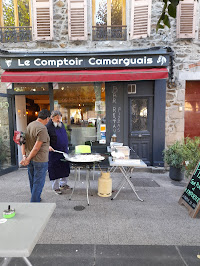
column 124, row 231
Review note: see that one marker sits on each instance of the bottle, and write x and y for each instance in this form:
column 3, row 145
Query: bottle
column 114, row 138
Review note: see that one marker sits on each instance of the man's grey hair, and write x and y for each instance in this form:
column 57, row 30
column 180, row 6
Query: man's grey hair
column 55, row 113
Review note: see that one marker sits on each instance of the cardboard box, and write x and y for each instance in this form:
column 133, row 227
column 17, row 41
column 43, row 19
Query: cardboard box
column 125, row 150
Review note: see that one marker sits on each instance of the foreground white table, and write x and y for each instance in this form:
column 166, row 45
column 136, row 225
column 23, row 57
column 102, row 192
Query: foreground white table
column 126, row 166
column 19, row 235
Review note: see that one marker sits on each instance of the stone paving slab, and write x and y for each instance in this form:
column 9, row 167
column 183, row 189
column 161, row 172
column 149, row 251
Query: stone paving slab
column 114, row 255
column 159, row 220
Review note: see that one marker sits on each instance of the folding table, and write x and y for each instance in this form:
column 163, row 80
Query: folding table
column 87, row 162
column 126, row 167
column 19, row 235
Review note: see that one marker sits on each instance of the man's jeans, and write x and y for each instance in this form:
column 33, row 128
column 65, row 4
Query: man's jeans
column 37, row 174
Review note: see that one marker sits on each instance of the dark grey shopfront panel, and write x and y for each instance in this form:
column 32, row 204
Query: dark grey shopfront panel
column 140, row 123
column 115, row 111
column 159, row 122
column 149, row 140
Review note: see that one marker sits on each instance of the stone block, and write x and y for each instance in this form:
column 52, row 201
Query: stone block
column 63, row 45
column 181, row 95
column 179, row 125
column 169, row 96
column 60, row 4
column 172, row 138
column 174, row 113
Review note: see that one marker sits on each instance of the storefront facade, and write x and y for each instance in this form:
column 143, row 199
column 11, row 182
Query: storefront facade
column 123, row 92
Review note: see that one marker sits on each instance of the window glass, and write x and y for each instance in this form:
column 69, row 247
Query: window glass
column 22, row 10
column 30, row 87
column 83, row 111
column 116, row 12
column 101, row 12
column 138, row 114
column 109, row 20
column 192, row 109
column 107, row 12
column 8, row 13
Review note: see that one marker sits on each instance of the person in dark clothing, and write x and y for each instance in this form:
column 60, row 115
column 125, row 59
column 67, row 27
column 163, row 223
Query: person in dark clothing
column 58, row 169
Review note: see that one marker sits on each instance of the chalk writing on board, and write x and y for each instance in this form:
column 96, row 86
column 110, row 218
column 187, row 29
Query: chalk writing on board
column 116, row 111
column 118, row 119
column 192, row 192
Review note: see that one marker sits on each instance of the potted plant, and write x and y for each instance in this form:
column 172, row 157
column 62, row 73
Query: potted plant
column 191, row 153
column 174, row 157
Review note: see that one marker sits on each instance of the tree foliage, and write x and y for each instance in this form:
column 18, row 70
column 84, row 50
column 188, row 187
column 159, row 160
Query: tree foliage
column 169, row 10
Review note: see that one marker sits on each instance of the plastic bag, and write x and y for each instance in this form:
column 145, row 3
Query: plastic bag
column 19, row 137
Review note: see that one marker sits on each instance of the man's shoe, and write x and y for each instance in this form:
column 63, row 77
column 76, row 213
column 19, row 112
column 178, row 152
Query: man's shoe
column 58, row 191
column 65, row 187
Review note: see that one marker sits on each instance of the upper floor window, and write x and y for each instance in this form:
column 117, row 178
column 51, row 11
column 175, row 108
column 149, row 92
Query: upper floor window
column 15, row 13
column 15, row 23
column 109, row 19
column 16, row 20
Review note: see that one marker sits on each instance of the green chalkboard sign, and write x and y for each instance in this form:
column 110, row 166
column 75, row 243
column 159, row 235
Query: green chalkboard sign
column 191, row 196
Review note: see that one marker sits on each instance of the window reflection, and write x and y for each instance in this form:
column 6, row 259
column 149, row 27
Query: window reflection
column 30, row 87
column 138, row 114
column 83, row 110
column 15, row 13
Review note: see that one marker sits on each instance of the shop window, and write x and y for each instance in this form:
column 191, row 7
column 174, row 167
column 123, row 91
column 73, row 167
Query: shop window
column 192, row 109
column 109, row 20
column 15, row 21
column 83, row 111
column 18, row 87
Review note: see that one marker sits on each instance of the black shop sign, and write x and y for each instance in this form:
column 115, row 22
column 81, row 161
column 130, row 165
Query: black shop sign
column 191, row 196
column 84, row 62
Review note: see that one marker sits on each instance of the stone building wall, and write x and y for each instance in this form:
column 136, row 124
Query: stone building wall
column 186, row 52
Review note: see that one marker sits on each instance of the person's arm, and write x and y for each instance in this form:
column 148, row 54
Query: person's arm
column 32, row 154
column 51, row 149
column 23, row 154
column 23, row 150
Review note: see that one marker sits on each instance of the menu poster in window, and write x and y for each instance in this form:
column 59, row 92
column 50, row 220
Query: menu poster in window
column 100, row 106
column 191, row 196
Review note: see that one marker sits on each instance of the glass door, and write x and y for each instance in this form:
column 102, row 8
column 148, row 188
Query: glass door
column 140, row 127
column 7, row 146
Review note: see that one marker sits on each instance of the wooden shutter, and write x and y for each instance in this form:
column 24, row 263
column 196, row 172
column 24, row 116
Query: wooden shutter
column 140, row 19
column 186, row 19
column 77, row 19
column 43, row 19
